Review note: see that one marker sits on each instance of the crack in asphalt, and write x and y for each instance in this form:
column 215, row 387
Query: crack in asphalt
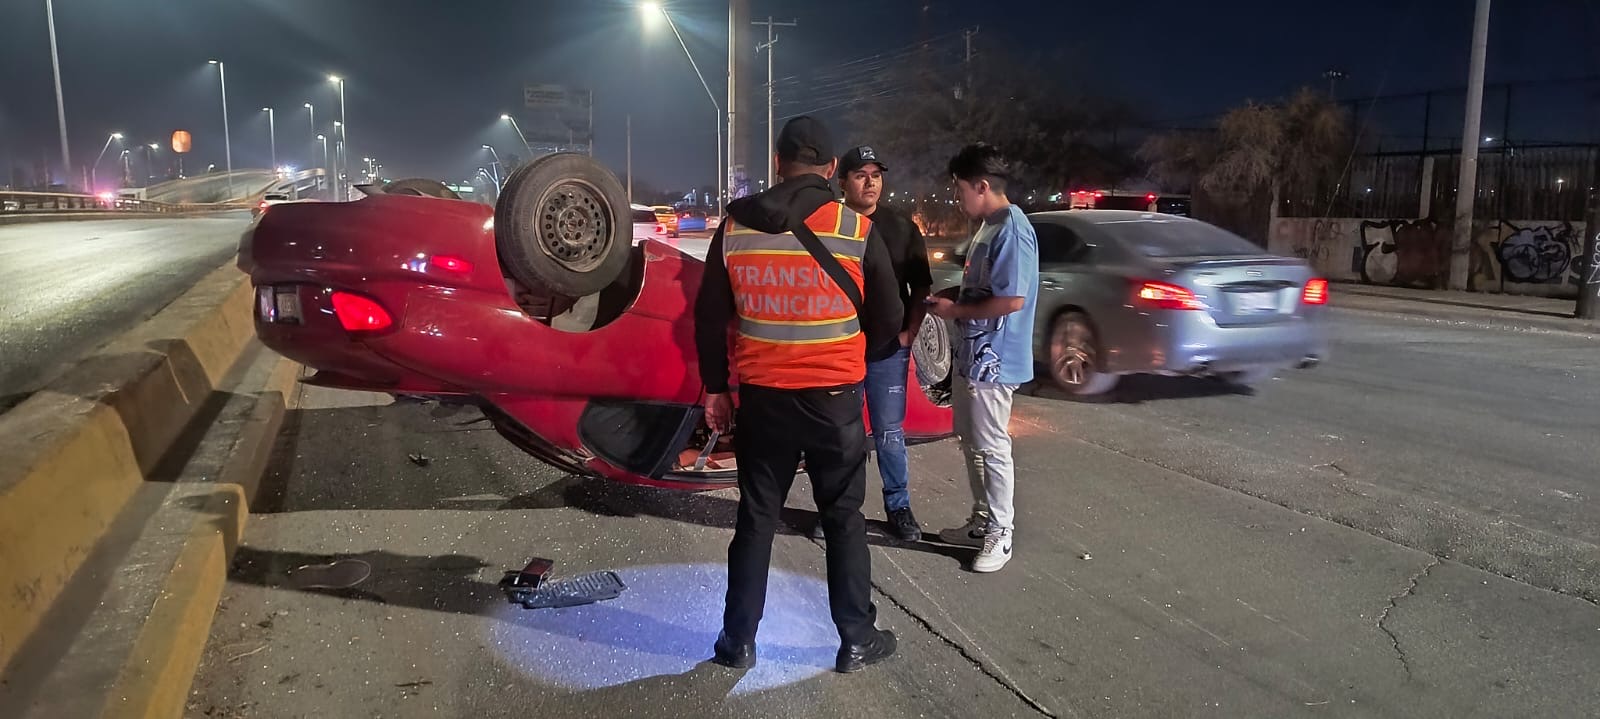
column 983, row 667
column 1411, row 588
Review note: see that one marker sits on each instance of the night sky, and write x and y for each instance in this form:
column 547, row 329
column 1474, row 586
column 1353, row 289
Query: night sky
column 428, row 79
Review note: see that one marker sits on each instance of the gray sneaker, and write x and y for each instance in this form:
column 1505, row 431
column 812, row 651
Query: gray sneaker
column 970, row 534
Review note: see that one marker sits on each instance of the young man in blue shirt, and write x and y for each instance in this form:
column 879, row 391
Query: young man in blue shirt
column 994, row 346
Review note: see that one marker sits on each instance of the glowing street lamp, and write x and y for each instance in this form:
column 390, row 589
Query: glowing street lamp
column 94, row 171
column 227, row 137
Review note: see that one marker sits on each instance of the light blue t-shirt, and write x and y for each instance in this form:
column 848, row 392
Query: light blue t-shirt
column 1003, row 261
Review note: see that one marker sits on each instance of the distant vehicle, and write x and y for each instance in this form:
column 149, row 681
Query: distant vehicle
column 692, row 220
column 668, row 218
column 268, row 200
column 647, row 225
column 1124, row 292
column 10, row 206
column 1139, row 202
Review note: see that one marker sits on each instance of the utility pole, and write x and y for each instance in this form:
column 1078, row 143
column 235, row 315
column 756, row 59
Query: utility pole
column 725, row 183
column 1333, row 76
column 1589, row 264
column 767, row 46
column 967, row 64
column 1467, row 180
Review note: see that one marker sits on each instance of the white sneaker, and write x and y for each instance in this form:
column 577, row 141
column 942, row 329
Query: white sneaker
column 995, row 553
column 967, row 535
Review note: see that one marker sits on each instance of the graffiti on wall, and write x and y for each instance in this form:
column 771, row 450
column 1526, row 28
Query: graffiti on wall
column 1539, row 254
column 1317, row 246
column 1411, row 253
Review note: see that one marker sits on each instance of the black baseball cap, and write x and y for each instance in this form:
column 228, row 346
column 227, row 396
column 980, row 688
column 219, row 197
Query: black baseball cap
column 805, row 140
column 859, row 157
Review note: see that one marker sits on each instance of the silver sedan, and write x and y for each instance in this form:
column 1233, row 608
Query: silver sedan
column 1124, row 292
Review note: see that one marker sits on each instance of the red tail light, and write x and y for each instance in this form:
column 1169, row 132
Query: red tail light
column 1315, row 293
column 660, row 227
column 263, row 205
column 1169, row 297
column 452, row 264
column 360, row 314
column 1150, row 197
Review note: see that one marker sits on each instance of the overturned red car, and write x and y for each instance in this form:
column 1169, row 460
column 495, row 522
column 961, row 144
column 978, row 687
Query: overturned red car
column 575, row 339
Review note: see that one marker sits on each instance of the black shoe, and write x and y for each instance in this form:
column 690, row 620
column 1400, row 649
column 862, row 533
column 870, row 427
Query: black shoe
column 734, row 654
column 855, row 657
column 904, row 524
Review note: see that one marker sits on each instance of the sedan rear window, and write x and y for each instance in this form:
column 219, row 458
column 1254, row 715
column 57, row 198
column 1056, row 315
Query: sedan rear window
column 1177, row 238
column 644, row 216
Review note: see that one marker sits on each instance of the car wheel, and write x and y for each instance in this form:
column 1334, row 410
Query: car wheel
column 420, row 186
column 557, row 225
column 1249, row 378
column 1075, row 357
column 932, row 353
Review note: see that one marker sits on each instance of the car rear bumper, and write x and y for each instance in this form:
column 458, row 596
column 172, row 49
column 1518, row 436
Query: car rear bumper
column 1183, row 342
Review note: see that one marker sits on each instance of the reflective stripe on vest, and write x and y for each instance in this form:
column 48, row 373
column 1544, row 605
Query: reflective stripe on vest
column 800, row 333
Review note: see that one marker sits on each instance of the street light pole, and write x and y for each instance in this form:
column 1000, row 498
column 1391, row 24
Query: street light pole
column 344, row 134
column 1467, row 178
column 94, row 170
column 494, row 165
column 312, row 116
column 61, row 107
column 227, row 137
column 150, row 159
column 721, row 175
column 339, row 161
column 272, row 135
column 525, row 146
column 326, row 165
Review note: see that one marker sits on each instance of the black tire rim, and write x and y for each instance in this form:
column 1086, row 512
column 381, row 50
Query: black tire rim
column 574, row 225
column 1072, row 354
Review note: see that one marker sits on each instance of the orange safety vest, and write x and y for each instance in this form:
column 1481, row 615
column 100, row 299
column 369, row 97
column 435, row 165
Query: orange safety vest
column 797, row 329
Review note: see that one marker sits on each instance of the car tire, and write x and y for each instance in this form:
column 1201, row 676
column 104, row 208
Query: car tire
column 1075, row 356
column 420, row 186
column 932, row 353
column 1249, row 378
column 557, row 225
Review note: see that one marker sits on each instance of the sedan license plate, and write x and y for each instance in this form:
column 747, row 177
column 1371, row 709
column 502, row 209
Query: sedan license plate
column 278, row 304
column 1255, row 302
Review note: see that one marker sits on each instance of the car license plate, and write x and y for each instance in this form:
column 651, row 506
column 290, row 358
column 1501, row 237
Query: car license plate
column 1253, row 302
column 279, row 305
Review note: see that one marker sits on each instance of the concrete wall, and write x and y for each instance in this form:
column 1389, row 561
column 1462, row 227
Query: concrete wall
column 1531, row 257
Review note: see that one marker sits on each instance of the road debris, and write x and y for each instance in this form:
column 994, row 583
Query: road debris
column 421, row 460
column 533, row 588
column 342, row 574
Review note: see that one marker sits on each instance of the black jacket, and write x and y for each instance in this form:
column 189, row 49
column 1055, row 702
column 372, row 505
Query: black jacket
column 772, row 211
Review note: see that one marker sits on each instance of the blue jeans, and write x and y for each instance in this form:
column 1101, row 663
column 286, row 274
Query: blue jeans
column 886, row 406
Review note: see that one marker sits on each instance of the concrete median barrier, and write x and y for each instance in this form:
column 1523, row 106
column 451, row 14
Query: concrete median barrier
column 77, row 451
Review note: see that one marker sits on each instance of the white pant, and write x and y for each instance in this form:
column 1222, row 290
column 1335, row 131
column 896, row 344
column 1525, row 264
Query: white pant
column 982, row 413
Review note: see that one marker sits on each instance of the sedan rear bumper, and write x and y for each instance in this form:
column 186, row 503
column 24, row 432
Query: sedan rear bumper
column 1187, row 343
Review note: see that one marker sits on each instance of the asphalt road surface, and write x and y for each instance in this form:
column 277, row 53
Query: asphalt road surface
column 1341, row 543
column 68, row 287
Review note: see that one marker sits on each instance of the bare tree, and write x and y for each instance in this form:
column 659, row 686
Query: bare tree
column 1304, row 143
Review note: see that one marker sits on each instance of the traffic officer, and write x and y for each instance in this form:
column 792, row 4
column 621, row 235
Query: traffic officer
column 809, row 288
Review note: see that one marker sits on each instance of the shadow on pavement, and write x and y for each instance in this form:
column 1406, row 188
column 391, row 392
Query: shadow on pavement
column 1141, row 388
column 610, row 499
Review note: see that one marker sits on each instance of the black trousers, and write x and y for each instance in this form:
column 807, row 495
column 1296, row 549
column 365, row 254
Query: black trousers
column 775, row 429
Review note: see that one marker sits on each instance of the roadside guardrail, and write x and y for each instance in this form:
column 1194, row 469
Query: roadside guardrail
column 27, row 203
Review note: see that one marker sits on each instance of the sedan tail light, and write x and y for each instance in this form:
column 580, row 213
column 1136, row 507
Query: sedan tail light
column 1315, row 293
column 360, row 314
column 1169, row 297
column 660, row 227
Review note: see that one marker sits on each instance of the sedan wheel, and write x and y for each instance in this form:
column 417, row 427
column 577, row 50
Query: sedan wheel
column 1075, row 357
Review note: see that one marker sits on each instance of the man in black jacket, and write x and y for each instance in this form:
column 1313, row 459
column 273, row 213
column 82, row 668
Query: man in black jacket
column 779, row 267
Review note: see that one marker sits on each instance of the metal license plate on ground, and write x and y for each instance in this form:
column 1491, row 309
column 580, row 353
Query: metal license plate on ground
column 1255, row 302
